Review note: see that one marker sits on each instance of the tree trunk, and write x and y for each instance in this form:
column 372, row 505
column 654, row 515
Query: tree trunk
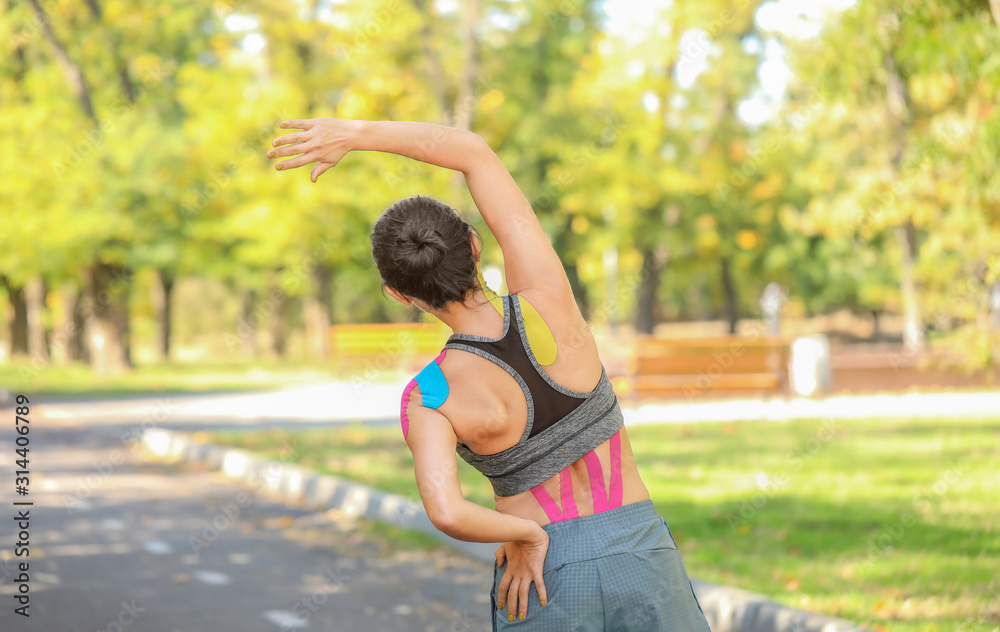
column 465, row 101
column 71, row 70
column 19, row 318
column 34, row 295
column 107, row 318
column 20, row 68
column 76, row 339
column 46, row 327
column 467, row 88
column 248, row 331
column 563, row 244
column 113, row 41
column 380, row 311
column 165, row 308
column 318, row 312
column 654, row 258
column 898, row 103
column 995, row 10
column 729, row 293
column 435, row 69
column 645, row 308
column 876, row 325
column 105, row 312
column 913, row 335
column 279, row 329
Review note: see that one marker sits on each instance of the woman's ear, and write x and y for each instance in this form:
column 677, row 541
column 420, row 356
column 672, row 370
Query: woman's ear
column 399, row 296
column 476, row 248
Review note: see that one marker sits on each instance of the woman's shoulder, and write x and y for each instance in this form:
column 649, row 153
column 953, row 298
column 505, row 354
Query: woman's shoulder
column 431, row 387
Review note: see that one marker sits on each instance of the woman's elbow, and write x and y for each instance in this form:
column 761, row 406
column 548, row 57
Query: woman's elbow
column 477, row 150
column 442, row 518
column 445, row 517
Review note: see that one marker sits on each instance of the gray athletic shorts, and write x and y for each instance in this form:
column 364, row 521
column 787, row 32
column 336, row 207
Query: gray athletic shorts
column 615, row 570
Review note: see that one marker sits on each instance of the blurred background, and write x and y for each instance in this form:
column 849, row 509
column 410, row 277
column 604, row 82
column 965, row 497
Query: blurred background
column 682, row 156
column 782, row 212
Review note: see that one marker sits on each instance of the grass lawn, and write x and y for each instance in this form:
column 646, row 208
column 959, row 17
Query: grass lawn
column 891, row 524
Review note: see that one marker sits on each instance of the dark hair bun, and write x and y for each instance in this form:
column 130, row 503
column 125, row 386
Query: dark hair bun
column 421, row 247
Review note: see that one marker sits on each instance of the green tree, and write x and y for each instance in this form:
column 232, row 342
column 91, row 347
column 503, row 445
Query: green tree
column 917, row 140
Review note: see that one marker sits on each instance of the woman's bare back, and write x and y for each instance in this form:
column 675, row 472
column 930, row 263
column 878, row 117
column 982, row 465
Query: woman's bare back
column 488, row 411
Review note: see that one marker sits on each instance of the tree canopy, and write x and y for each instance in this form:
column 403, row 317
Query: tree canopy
column 134, row 157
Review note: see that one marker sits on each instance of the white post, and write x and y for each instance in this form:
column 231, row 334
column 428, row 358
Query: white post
column 809, row 365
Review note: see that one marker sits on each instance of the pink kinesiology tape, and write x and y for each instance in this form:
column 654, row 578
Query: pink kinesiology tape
column 603, row 501
column 404, row 420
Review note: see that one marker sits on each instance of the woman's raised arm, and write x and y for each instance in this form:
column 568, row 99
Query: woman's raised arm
column 327, row 140
column 529, row 259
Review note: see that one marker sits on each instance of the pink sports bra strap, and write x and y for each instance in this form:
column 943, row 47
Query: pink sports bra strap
column 568, row 510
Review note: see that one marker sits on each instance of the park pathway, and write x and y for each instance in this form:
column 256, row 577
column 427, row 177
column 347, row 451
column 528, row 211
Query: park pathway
column 333, row 402
column 120, row 544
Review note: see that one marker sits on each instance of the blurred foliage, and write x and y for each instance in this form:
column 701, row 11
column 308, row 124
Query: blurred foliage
column 648, row 181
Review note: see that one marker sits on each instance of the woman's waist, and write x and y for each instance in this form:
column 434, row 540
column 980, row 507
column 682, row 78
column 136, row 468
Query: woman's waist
column 584, row 499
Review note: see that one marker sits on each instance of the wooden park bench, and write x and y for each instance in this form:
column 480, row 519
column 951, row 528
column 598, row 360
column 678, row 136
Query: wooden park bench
column 387, row 346
column 710, row 367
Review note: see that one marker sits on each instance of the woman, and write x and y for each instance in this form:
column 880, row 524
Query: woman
column 519, row 392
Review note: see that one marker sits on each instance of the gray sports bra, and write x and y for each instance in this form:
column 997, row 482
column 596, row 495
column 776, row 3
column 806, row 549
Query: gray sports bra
column 563, row 425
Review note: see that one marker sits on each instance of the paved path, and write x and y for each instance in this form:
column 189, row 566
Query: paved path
column 119, row 544
column 378, row 402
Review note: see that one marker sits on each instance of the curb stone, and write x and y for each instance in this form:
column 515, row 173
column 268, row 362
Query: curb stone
column 293, row 483
column 731, row 609
column 727, row 609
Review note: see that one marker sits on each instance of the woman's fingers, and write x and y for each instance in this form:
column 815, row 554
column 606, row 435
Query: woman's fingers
column 287, row 150
column 319, row 170
column 295, row 137
column 502, row 588
column 515, row 585
column 292, row 163
column 512, row 594
column 540, row 587
column 522, row 596
column 297, row 124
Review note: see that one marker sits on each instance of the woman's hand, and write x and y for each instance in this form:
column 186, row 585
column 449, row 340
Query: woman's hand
column 323, row 140
column 525, row 562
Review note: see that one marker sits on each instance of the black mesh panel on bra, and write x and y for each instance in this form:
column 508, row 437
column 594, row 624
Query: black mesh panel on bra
column 550, row 404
